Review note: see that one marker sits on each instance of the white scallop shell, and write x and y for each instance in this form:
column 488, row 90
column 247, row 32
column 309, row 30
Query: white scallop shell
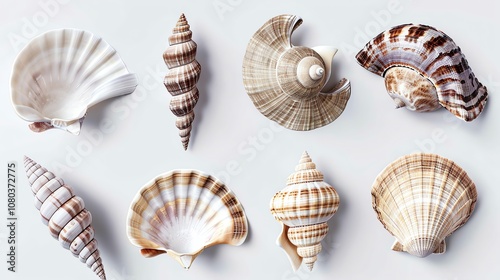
column 421, row 199
column 62, row 73
column 182, row 212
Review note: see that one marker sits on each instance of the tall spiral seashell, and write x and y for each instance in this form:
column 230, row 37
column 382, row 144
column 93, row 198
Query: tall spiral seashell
column 65, row 215
column 303, row 208
column 184, row 72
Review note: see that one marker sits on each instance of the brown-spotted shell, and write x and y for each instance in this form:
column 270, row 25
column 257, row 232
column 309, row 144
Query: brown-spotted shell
column 303, row 207
column 286, row 82
column 424, row 70
column 180, row 80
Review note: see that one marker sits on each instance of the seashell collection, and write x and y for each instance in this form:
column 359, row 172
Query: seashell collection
column 421, row 199
column 181, row 213
column 286, row 82
column 304, row 207
column 184, row 72
column 424, row 70
column 62, row 73
column 65, row 215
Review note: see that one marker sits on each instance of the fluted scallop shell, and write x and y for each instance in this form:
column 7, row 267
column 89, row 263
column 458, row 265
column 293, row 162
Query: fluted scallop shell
column 421, row 199
column 181, row 213
column 285, row 82
column 439, row 65
column 62, row 73
column 65, row 215
column 184, row 72
column 303, row 208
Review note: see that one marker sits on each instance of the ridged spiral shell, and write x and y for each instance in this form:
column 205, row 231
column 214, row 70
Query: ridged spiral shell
column 182, row 212
column 421, row 199
column 286, row 82
column 303, row 208
column 424, row 69
column 65, row 215
column 180, row 80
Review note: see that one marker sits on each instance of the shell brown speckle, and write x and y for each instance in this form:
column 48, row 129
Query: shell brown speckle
column 180, row 81
column 65, row 215
column 438, row 63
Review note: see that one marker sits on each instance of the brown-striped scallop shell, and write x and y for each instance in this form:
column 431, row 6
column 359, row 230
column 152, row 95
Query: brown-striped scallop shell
column 184, row 72
column 181, row 213
column 65, row 215
column 421, row 199
column 286, row 83
column 424, row 70
column 303, row 207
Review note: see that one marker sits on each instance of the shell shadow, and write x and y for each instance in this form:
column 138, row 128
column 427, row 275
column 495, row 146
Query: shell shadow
column 332, row 241
column 101, row 221
column 203, row 57
column 209, row 255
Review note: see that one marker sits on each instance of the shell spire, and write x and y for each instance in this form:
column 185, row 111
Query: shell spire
column 180, row 80
column 303, row 207
column 65, row 215
column 292, row 85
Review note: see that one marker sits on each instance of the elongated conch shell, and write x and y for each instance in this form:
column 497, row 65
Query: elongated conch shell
column 424, row 70
column 181, row 213
column 62, row 73
column 182, row 77
column 65, row 215
column 286, row 82
column 303, row 207
column 421, row 199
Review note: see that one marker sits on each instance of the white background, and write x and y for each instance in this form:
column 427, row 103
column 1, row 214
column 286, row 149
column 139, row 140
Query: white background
column 234, row 142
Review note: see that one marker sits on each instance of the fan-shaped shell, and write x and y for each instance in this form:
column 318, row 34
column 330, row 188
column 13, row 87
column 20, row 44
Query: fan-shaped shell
column 285, row 82
column 182, row 77
column 65, row 215
column 303, row 207
column 62, row 73
column 436, row 59
column 421, row 199
column 182, row 212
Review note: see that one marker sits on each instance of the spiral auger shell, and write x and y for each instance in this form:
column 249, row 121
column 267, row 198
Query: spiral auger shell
column 180, row 80
column 304, row 208
column 65, row 215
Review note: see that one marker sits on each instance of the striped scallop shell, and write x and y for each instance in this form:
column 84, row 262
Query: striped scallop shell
column 65, row 215
column 181, row 213
column 62, row 73
column 285, row 82
column 421, row 199
column 184, row 72
column 303, row 208
column 441, row 74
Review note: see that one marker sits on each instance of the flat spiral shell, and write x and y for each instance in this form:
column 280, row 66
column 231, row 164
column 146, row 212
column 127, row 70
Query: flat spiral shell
column 285, row 82
column 303, row 208
column 180, row 81
column 421, row 199
column 442, row 76
column 65, row 215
